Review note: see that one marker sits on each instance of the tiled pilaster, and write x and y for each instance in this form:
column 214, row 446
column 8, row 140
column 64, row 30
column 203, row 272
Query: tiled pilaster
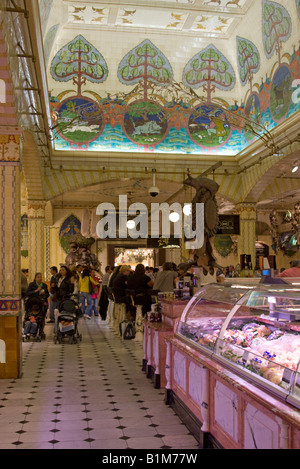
column 10, row 296
column 36, row 234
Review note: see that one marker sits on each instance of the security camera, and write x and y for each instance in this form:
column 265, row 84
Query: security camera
column 154, row 191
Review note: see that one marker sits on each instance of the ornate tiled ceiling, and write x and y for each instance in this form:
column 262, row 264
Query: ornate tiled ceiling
column 204, row 17
column 200, row 77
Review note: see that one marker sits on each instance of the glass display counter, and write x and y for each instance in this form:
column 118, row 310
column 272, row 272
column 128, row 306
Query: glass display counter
column 254, row 331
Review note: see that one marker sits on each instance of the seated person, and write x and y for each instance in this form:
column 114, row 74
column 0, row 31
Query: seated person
column 119, row 284
column 31, row 324
column 39, row 288
column 141, row 283
column 165, row 280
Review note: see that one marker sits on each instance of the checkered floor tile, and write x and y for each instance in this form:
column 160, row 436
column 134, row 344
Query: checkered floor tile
column 89, row 395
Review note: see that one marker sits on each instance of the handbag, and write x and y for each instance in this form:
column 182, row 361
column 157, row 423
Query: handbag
column 91, row 287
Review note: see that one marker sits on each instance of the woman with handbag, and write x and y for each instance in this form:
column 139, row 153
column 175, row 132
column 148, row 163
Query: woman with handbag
column 39, row 289
column 65, row 283
column 94, row 290
column 86, row 283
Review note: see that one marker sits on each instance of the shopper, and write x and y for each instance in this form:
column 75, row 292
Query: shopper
column 65, row 283
column 24, row 282
column 85, row 299
column 53, row 302
column 120, row 284
column 141, row 283
column 103, row 300
column 165, row 279
column 113, row 275
column 95, row 292
column 293, row 271
column 39, row 289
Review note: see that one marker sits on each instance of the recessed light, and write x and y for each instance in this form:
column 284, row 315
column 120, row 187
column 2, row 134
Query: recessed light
column 174, row 217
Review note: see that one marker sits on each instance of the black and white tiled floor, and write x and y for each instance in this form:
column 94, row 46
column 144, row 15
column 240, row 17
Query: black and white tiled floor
column 89, row 395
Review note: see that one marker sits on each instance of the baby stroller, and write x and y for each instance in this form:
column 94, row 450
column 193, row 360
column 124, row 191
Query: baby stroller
column 34, row 319
column 67, row 320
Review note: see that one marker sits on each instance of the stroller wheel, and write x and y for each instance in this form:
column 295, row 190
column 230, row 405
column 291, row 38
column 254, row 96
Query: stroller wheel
column 74, row 340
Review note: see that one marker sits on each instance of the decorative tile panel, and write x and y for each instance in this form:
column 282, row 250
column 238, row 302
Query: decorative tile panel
column 226, row 411
column 261, row 432
column 180, row 370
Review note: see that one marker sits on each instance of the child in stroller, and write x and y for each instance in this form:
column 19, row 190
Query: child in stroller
column 67, row 320
column 34, row 319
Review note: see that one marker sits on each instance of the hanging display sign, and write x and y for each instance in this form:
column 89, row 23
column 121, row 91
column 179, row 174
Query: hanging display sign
column 228, row 224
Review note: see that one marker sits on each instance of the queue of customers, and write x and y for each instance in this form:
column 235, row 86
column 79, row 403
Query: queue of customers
column 81, row 281
column 93, row 300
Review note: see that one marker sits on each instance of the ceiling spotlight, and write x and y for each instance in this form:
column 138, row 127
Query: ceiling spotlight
column 174, row 217
column 187, row 209
column 130, row 224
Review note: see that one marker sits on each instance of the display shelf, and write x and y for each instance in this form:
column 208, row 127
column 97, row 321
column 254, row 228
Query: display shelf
column 233, row 362
column 253, row 331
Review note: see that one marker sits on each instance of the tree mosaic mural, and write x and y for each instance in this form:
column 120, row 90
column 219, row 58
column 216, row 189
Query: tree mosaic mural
column 277, row 27
column 78, row 120
column 298, row 7
column 145, row 122
column 145, row 63
column 209, row 69
column 248, row 60
column 162, row 115
column 281, row 93
column 79, row 61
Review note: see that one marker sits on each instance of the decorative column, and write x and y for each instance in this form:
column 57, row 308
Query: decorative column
column 247, row 238
column 10, row 258
column 36, row 237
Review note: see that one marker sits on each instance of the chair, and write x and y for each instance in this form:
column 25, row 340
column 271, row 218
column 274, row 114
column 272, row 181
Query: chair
column 137, row 301
column 110, row 308
column 119, row 311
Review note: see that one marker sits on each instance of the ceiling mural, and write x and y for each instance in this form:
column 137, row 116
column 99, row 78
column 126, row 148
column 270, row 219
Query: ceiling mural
column 153, row 111
column 277, row 26
column 248, row 60
column 209, row 69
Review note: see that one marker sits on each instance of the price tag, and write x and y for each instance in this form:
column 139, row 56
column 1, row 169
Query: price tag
column 287, row 375
column 245, row 357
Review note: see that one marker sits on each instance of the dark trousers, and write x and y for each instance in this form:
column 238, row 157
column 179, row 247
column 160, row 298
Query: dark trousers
column 103, row 302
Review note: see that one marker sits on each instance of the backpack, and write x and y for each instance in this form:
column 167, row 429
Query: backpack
column 129, row 332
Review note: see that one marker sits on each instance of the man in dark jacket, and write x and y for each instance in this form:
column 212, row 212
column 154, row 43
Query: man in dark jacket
column 53, row 298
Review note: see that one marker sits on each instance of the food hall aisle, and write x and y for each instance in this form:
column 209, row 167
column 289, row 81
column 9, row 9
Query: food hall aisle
column 89, row 395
